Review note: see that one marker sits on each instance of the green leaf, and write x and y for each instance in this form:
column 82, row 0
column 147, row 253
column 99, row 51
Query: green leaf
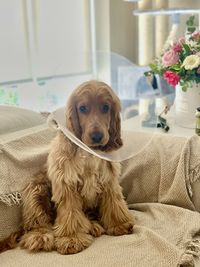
column 156, row 68
column 190, row 21
column 184, row 88
column 191, row 29
column 182, row 72
column 182, row 82
column 175, row 67
column 186, row 49
column 148, row 73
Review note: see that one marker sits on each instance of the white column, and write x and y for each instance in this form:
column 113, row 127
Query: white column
column 145, row 34
column 93, row 37
column 32, row 39
column 103, row 58
column 161, row 27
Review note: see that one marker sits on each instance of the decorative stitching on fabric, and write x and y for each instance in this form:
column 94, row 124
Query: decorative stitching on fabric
column 192, row 250
column 194, row 174
column 11, row 199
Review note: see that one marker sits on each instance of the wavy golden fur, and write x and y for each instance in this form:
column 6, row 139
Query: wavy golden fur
column 87, row 199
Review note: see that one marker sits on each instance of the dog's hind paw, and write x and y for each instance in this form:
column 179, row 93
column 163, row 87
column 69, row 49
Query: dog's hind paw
column 73, row 244
column 122, row 229
column 37, row 240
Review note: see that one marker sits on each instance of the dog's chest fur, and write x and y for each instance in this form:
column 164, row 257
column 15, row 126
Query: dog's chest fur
column 94, row 174
column 92, row 179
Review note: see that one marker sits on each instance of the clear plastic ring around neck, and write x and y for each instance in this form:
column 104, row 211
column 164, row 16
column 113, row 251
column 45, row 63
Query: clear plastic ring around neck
column 142, row 100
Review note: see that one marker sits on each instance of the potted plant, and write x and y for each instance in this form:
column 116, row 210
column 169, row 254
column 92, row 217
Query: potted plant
column 179, row 65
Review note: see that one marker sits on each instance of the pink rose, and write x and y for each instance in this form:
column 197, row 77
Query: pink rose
column 171, row 77
column 170, row 58
column 196, row 36
column 177, row 47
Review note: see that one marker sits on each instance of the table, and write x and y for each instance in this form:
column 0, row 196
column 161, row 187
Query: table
column 134, row 124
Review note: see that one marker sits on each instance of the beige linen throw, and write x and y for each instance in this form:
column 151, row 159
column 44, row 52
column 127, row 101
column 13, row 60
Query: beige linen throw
column 161, row 185
column 24, row 143
column 22, row 154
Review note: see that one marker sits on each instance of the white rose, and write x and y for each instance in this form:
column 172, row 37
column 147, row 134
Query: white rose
column 191, row 62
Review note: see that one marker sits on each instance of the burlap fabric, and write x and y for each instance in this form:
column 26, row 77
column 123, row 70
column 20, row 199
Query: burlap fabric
column 24, row 144
column 10, row 219
column 13, row 119
column 22, row 154
column 161, row 185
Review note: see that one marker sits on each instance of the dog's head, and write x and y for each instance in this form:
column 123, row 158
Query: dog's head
column 92, row 114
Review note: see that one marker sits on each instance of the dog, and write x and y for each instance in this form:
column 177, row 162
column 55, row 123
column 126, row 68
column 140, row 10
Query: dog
column 79, row 197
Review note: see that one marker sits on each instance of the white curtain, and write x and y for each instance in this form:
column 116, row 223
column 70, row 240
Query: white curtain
column 14, row 54
column 43, row 38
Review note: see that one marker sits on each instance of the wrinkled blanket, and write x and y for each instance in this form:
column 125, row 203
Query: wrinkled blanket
column 24, row 143
column 161, row 185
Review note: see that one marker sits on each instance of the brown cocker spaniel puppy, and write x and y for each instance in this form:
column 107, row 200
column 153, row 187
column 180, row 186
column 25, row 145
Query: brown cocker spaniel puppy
column 87, row 197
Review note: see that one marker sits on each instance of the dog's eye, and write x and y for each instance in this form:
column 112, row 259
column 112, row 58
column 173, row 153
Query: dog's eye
column 105, row 108
column 83, row 109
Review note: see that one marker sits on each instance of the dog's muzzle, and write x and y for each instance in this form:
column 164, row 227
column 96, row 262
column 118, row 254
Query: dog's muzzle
column 96, row 137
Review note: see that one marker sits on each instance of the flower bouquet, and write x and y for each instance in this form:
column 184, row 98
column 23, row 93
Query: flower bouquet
column 180, row 63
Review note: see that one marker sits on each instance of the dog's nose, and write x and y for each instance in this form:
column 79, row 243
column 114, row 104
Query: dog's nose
column 96, row 137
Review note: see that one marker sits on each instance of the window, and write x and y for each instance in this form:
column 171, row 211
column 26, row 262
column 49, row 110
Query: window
column 41, row 40
column 14, row 55
column 62, row 37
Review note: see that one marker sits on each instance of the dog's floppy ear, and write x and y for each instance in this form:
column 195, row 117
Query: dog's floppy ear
column 115, row 126
column 72, row 119
column 115, row 140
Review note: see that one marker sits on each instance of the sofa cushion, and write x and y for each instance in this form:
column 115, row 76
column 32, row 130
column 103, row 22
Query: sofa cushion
column 14, row 119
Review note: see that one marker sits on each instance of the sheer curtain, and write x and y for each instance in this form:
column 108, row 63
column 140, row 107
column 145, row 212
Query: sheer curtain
column 14, row 53
column 42, row 38
column 45, row 51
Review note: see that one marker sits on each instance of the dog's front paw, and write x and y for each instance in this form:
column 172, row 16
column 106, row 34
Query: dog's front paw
column 122, row 229
column 73, row 244
column 96, row 229
column 37, row 240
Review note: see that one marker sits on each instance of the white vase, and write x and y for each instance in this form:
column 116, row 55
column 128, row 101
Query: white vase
column 186, row 104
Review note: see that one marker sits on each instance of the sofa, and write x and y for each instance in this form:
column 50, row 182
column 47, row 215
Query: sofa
column 160, row 184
